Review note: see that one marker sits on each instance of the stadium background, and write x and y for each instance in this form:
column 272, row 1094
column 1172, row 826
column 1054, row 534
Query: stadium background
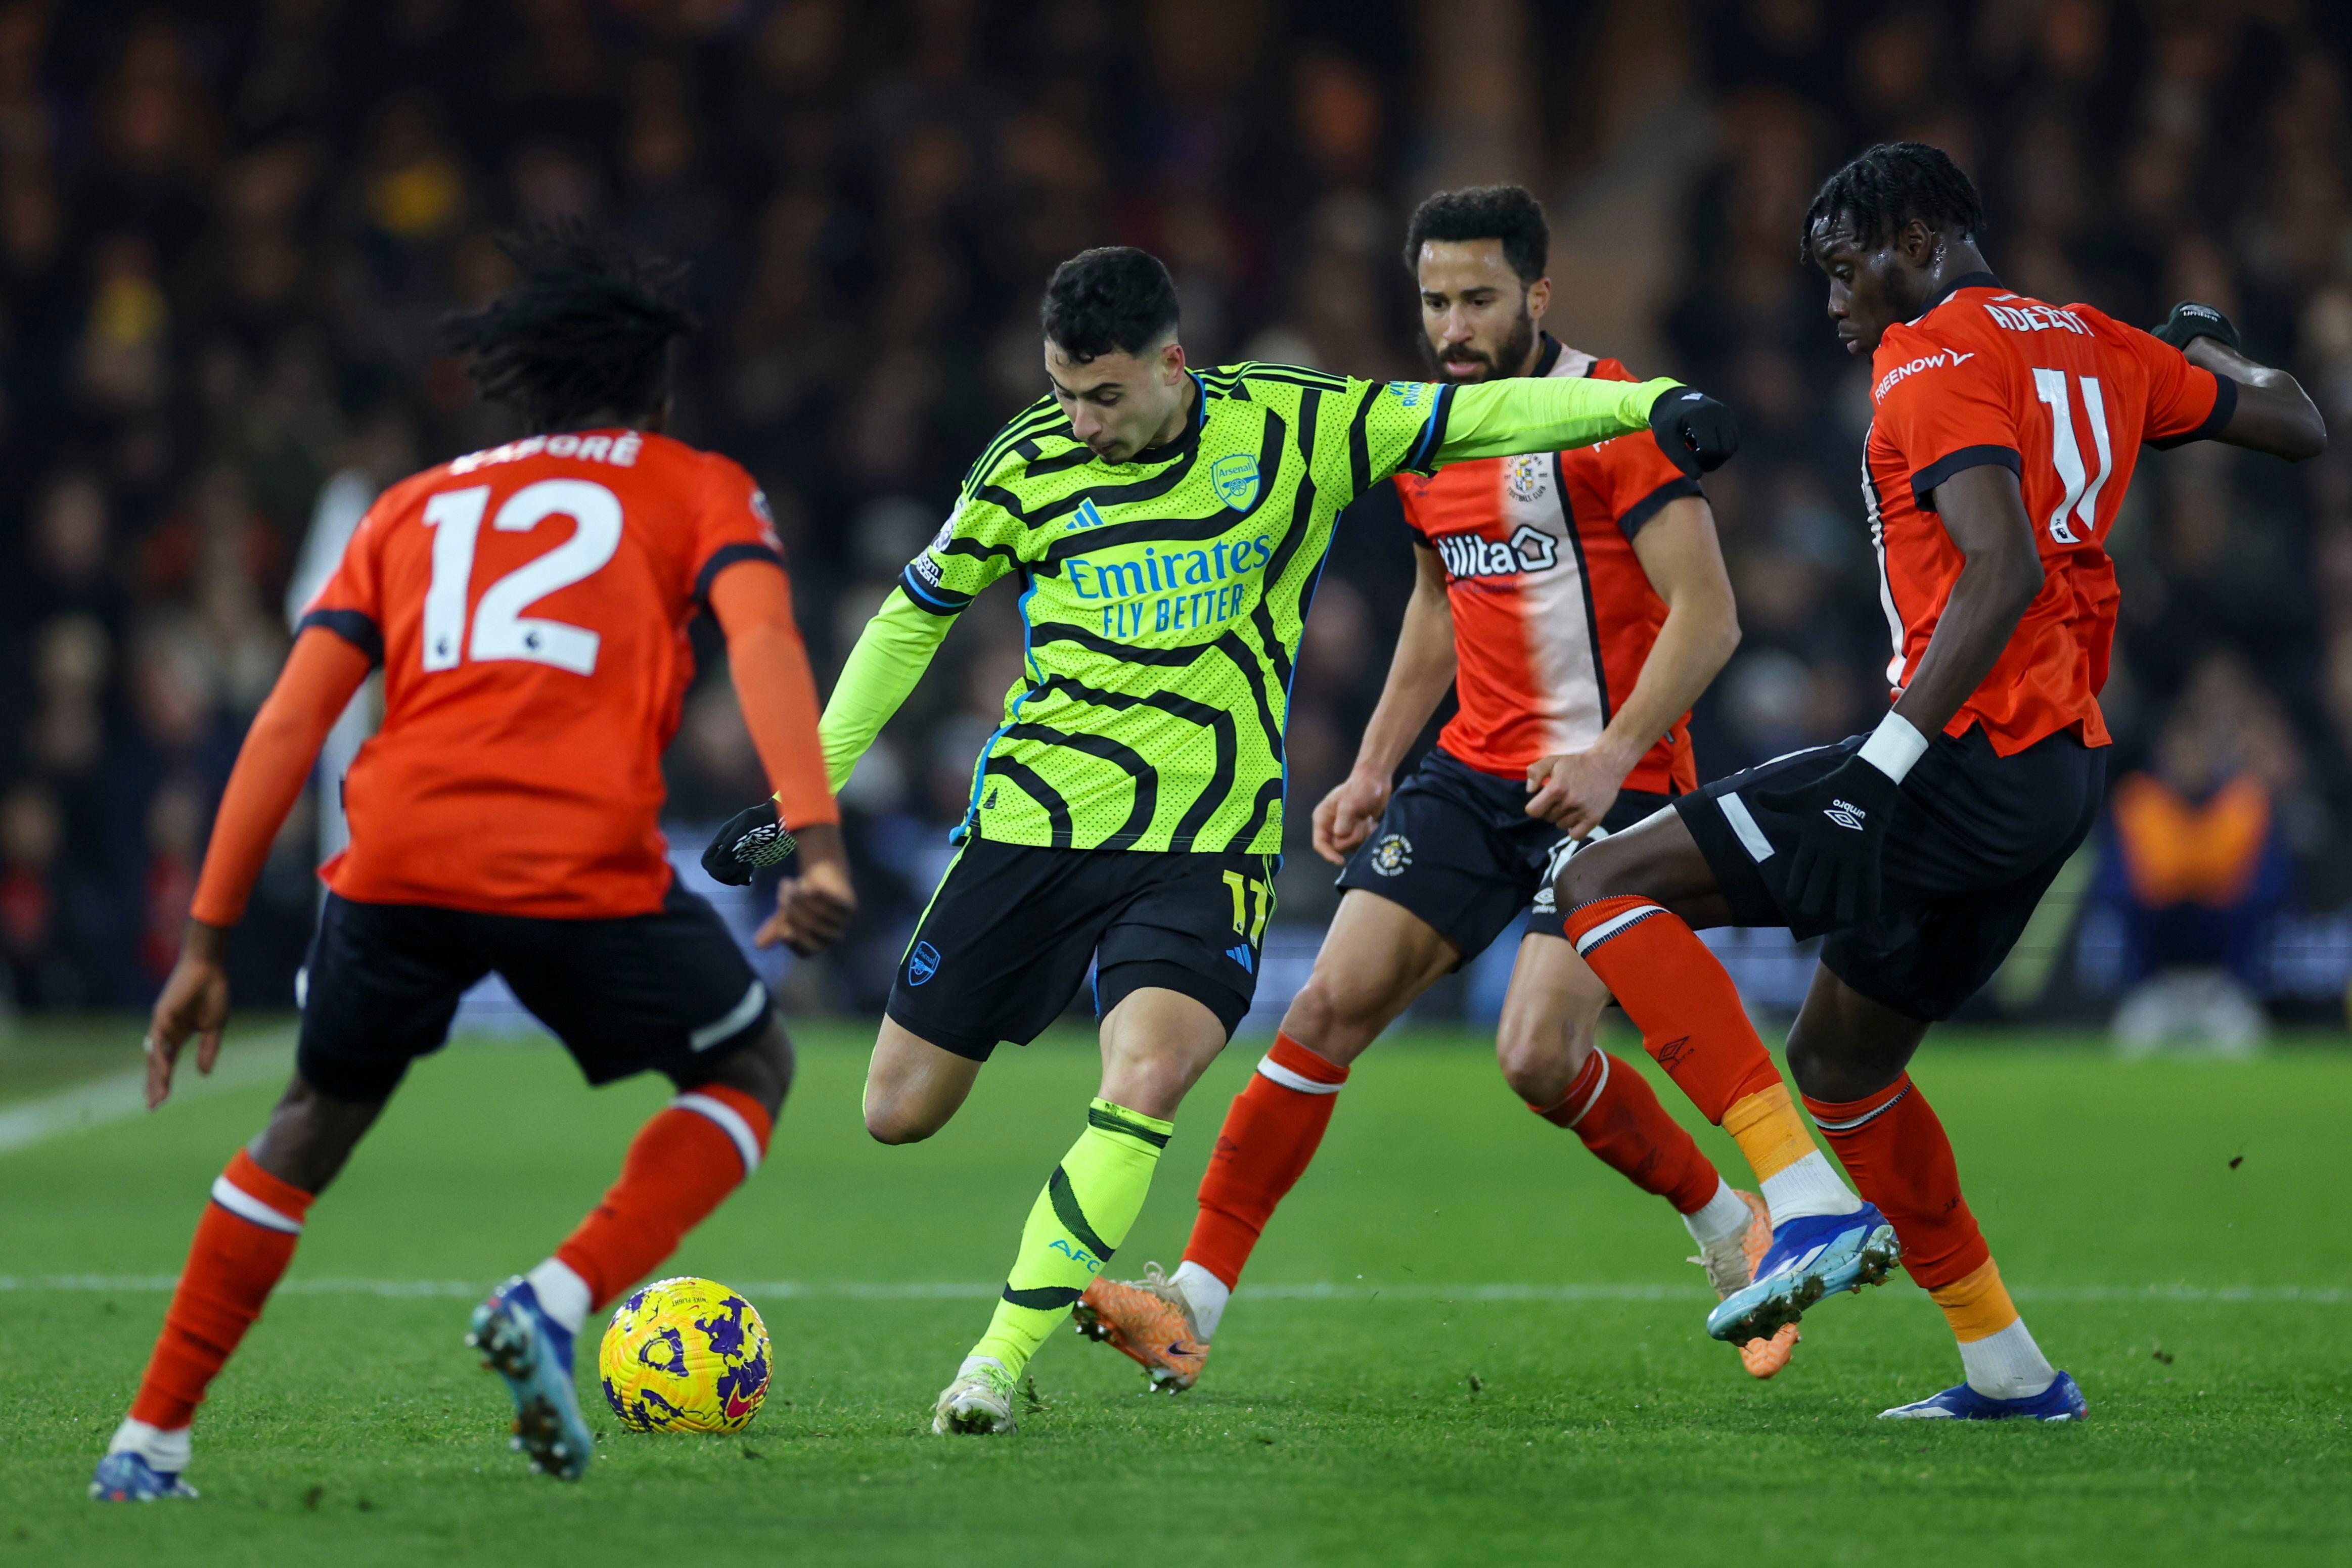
column 227, row 233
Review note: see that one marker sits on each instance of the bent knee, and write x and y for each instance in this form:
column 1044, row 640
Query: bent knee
column 1336, row 1020
column 891, row 1123
column 1540, row 1062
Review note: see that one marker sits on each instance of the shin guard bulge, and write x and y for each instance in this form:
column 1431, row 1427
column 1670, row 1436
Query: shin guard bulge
column 1894, row 1148
column 242, row 1246
column 1691, row 1020
column 1615, row 1111
column 681, row 1165
column 1075, row 1226
column 1271, row 1133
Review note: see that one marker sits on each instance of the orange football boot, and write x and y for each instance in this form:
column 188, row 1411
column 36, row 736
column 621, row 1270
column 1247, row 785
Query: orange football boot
column 1729, row 1266
column 1149, row 1322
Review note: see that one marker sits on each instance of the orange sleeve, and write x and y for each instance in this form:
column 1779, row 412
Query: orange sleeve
column 2185, row 403
column 273, row 765
column 1945, row 408
column 774, row 684
column 1638, row 479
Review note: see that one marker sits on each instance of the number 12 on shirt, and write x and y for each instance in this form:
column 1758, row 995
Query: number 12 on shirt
column 500, row 629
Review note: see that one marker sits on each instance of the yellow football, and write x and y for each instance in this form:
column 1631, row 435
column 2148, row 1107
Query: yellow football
column 685, row 1355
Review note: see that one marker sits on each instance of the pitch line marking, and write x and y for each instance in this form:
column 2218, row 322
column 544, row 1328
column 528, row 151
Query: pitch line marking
column 962, row 1291
column 123, row 1097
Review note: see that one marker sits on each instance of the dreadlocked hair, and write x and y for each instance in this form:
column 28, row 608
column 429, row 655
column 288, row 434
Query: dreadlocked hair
column 587, row 329
column 1891, row 185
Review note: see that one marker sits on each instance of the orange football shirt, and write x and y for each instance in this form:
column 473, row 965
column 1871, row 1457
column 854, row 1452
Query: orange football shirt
column 530, row 605
column 1553, row 615
column 2064, row 398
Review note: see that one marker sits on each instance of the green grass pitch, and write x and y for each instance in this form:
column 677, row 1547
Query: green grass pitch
column 1407, row 1416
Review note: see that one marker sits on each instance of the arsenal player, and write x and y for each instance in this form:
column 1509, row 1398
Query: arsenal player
column 1577, row 604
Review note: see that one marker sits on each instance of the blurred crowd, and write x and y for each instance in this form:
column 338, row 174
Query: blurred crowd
column 227, row 233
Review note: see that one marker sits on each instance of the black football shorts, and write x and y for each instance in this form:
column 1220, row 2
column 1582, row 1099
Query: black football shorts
column 1457, row 848
column 667, row 992
column 1007, row 939
column 1976, row 842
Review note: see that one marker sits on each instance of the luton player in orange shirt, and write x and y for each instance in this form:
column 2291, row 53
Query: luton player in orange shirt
column 529, row 605
column 2004, row 433
column 1576, row 602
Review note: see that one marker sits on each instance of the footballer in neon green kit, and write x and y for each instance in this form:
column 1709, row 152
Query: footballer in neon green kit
column 1166, row 528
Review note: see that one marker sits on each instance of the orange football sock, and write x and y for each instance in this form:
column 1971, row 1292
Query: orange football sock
column 1677, row 993
column 243, row 1244
column 1613, row 1109
column 682, row 1164
column 1272, row 1132
column 1894, row 1148
column 1976, row 1304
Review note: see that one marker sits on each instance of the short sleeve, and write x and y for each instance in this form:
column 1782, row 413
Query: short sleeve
column 351, row 602
column 1636, row 479
column 735, row 524
column 1945, row 410
column 2185, row 403
column 970, row 550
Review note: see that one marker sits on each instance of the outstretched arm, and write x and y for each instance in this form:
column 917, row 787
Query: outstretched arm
column 2275, row 414
column 275, row 762
column 1522, row 413
column 1547, row 414
column 1419, row 674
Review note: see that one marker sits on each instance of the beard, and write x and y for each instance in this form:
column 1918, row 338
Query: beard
column 1470, row 364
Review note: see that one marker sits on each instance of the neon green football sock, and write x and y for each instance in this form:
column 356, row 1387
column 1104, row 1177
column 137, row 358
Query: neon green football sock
column 1077, row 1222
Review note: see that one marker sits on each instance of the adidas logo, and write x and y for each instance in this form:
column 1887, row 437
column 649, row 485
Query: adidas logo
column 1241, row 956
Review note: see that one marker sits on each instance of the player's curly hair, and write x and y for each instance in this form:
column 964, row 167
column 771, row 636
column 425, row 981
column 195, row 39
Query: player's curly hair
column 1505, row 212
column 585, row 330
column 1890, row 184
column 1112, row 297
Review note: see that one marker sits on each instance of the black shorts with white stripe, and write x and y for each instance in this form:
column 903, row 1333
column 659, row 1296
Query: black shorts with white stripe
column 667, row 992
column 1975, row 843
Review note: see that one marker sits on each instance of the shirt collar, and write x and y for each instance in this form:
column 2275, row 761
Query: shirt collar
column 1547, row 359
column 1966, row 280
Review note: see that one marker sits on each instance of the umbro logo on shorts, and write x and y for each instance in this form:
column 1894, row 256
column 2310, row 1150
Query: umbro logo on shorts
column 1845, row 814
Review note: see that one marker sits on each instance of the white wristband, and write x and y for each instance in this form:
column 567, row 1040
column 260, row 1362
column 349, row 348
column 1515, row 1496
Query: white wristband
column 1893, row 747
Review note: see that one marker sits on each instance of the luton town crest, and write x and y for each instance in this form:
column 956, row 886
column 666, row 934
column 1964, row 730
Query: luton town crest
column 1236, row 477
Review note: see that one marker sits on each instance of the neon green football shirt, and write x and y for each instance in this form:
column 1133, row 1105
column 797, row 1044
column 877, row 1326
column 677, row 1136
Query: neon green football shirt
column 1163, row 599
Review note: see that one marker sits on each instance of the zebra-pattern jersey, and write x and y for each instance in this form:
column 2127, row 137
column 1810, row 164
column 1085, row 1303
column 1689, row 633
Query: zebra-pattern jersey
column 1162, row 599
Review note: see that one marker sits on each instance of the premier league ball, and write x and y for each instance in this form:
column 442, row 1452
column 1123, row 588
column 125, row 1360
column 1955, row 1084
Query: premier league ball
column 685, row 1355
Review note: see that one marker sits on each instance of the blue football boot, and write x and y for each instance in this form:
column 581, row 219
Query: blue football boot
column 129, row 1478
column 1810, row 1258
column 533, row 1353
column 2061, row 1401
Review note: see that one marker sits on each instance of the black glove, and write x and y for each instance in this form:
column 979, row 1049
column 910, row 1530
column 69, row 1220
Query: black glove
column 1842, row 819
column 2190, row 321
column 753, row 839
column 1698, row 433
